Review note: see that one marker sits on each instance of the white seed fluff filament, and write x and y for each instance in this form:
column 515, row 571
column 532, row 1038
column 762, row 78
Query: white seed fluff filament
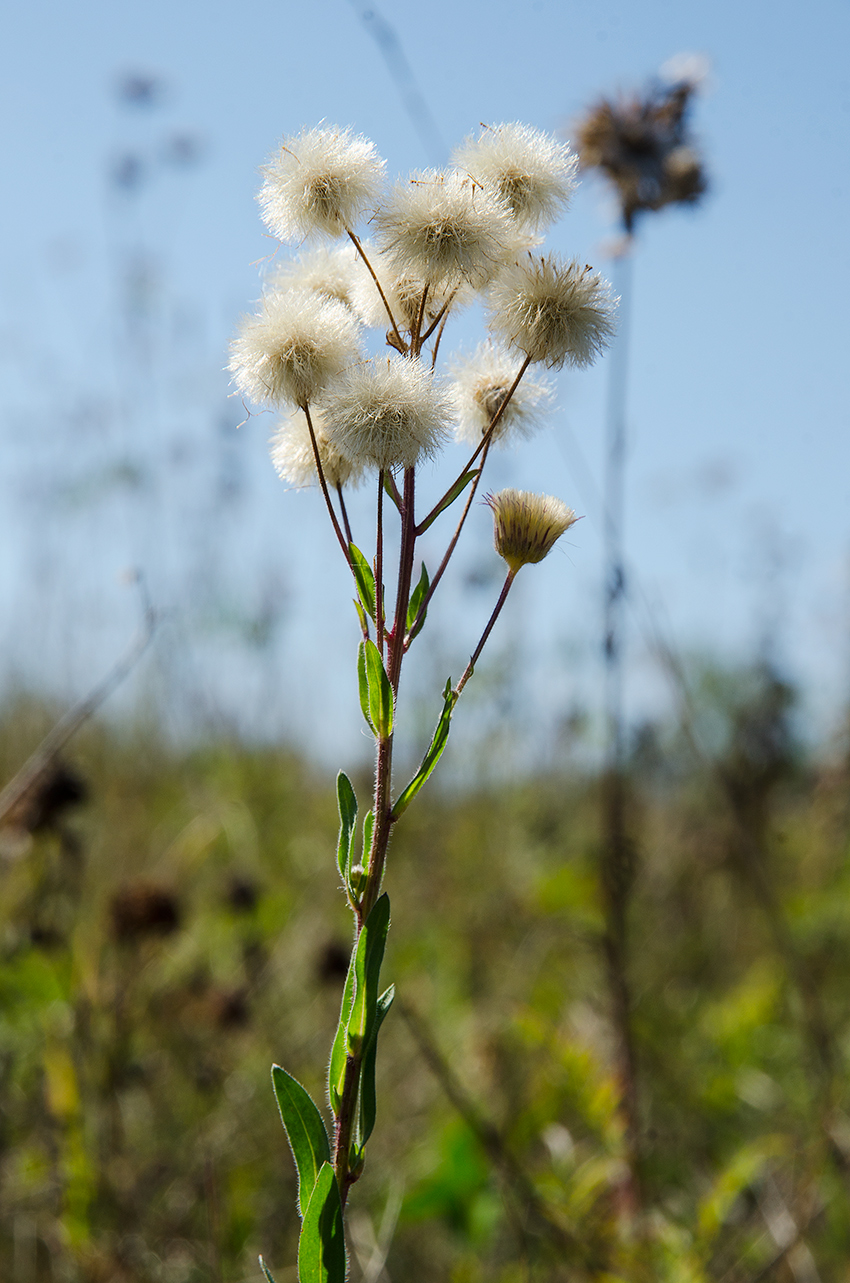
column 481, row 384
column 444, row 229
column 293, row 347
column 387, row 413
column 532, row 172
column 320, row 181
column 556, row 313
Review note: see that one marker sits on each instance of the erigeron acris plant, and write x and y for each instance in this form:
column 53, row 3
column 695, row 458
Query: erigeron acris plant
column 440, row 239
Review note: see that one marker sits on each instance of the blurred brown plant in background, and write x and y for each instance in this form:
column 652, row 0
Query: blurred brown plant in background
column 643, row 144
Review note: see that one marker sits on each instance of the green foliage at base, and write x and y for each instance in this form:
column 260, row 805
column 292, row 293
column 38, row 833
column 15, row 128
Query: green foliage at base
column 163, row 944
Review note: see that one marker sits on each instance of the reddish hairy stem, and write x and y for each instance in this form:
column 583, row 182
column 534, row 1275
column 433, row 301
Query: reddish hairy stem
column 323, row 483
column 503, row 596
column 344, row 1127
column 346, row 523
column 379, row 566
column 395, row 654
column 402, row 346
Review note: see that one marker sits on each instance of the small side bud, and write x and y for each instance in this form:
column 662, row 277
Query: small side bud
column 526, row 526
column 357, row 880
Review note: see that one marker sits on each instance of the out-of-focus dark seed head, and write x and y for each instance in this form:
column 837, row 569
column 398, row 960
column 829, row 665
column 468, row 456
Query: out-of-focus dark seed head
column 242, row 894
column 229, row 1008
column 54, row 791
column 144, row 908
column 643, row 145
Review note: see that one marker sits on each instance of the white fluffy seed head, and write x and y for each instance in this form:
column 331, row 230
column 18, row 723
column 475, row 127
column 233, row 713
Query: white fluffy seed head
column 294, row 460
column 387, row 413
column 331, row 273
column 555, row 313
column 526, row 526
column 444, row 228
column 480, row 384
column 532, row 172
column 295, row 344
column 321, row 180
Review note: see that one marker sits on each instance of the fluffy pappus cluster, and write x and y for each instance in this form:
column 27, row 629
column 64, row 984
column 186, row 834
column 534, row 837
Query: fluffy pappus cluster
column 553, row 312
column 481, row 385
column 298, row 341
column 532, row 172
column 320, row 181
column 294, row 458
column 438, row 241
column 388, row 413
column 445, row 229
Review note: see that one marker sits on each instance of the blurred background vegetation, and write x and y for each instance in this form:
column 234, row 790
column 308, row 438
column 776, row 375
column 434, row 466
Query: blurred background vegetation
column 171, row 925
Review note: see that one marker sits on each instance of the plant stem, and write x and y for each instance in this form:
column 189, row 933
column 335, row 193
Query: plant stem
column 344, row 511
column 617, row 856
column 382, row 810
column 345, row 1126
column 503, row 596
column 323, row 483
column 379, row 567
column 483, row 444
column 399, row 341
column 395, row 655
column 448, row 554
column 415, row 340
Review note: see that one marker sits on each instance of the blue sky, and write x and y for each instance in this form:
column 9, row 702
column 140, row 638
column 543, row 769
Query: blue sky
column 118, row 441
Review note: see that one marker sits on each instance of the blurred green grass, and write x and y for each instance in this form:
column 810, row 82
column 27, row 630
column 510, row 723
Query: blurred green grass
column 167, row 938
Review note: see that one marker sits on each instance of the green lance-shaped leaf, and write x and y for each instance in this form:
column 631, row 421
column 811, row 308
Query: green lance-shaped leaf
column 364, row 579
column 368, row 827
column 448, row 499
column 392, row 489
column 367, row 970
column 321, row 1247
column 377, row 699
column 363, row 687
column 347, row 803
column 433, row 755
column 266, row 1271
column 339, row 1050
column 368, row 1099
column 362, row 617
column 416, row 599
column 305, row 1131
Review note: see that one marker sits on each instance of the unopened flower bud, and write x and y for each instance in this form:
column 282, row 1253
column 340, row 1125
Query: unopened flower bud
column 526, row 526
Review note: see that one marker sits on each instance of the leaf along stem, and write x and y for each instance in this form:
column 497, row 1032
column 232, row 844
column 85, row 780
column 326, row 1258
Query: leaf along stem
column 411, row 633
column 483, row 444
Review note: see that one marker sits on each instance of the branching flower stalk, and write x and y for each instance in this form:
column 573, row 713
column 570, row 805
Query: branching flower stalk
column 643, row 147
column 443, row 240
